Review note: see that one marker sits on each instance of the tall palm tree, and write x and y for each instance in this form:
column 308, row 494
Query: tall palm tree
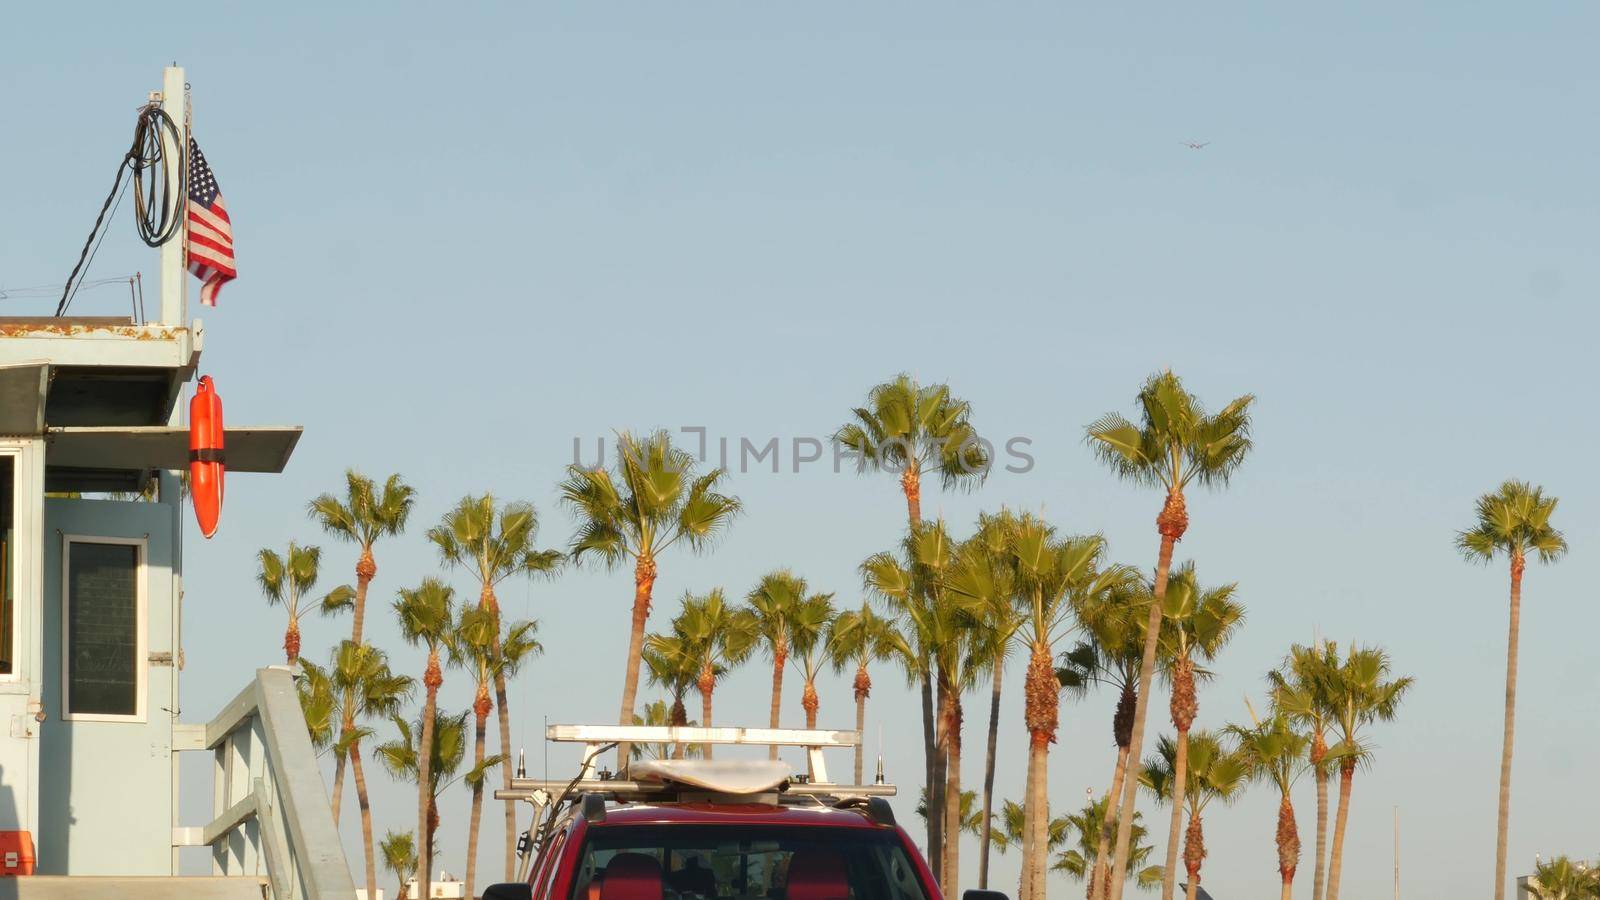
column 285, row 581
column 654, row 498
column 1563, row 879
column 810, row 630
column 719, row 636
column 670, row 662
column 1515, row 521
column 1176, row 444
column 1196, row 622
column 1055, row 577
column 911, row 428
column 1111, row 657
column 494, row 544
column 366, row 514
column 1215, row 772
column 1300, row 692
column 773, row 602
column 1087, row 825
column 861, row 638
column 479, row 647
column 399, row 850
column 427, row 616
column 915, row 587
column 364, row 688
column 447, row 751
column 1275, row 751
column 1359, row 691
column 985, row 577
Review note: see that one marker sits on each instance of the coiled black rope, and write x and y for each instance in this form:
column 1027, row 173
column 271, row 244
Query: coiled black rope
column 146, row 158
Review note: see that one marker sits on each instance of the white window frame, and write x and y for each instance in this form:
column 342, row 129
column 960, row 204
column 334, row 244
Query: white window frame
column 142, row 625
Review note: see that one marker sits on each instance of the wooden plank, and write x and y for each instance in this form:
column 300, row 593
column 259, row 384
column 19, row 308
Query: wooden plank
column 101, row 887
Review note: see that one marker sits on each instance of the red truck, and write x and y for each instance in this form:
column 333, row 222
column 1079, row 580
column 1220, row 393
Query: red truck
column 704, row 830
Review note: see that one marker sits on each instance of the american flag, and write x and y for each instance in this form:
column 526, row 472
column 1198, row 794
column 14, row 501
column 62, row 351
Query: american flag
column 210, row 231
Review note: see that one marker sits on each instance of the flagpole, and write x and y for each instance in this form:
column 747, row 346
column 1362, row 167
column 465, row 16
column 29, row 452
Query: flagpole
column 174, row 278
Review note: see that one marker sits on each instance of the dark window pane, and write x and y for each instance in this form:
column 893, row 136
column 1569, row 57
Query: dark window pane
column 102, row 629
column 735, row 862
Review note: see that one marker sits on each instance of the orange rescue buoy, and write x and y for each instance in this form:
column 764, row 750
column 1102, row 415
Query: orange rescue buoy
column 206, row 461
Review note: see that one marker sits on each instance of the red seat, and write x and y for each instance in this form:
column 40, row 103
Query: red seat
column 816, row 874
column 631, row 876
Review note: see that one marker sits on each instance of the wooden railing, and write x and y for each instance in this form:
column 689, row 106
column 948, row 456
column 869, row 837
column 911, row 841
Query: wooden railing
column 270, row 812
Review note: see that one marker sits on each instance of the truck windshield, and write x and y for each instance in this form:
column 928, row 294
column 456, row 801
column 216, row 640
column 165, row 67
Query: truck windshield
column 704, row 862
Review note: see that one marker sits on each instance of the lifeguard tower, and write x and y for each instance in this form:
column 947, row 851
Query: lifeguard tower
column 92, row 441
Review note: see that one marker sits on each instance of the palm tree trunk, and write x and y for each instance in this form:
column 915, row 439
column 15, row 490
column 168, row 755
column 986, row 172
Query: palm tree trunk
column 1122, row 734
column 952, row 793
column 431, row 679
column 1180, row 771
column 941, row 767
column 291, row 640
column 988, row 777
column 809, row 701
column 1319, row 871
column 780, row 657
column 1288, row 845
column 1347, row 774
column 480, row 709
column 1518, row 562
column 707, row 685
column 678, row 718
column 366, row 818
column 863, row 690
column 1042, row 714
column 930, row 758
column 338, row 777
column 1171, row 523
column 644, row 582
column 1194, row 853
column 366, row 568
column 1025, row 881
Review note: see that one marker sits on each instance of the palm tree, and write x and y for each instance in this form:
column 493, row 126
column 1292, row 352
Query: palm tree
column 1276, row 752
column 773, row 602
column 658, row 713
column 985, row 577
column 810, row 630
column 285, row 581
column 1088, row 824
column 364, row 688
column 317, row 703
column 446, row 752
column 1013, row 827
column 427, row 616
column 654, row 499
column 399, row 850
column 910, row 428
column 862, row 638
column 670, row 662
column 1199, row 622
column 493, row 547
column 1563, row 879
column 479, row 646
column 916, row 589
column 1116, row 626
column 1176, row 444
column 971, row 816
column 1359, row 692
column 1055, row 576
column 364, row 515
column 719, row 636
column 1300, row 691
column 1514, row 520
column 1214, row 773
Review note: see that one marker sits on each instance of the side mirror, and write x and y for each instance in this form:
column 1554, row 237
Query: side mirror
column 973, row 894
column 516, row 890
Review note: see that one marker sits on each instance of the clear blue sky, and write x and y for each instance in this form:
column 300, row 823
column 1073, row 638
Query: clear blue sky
column 468, row 235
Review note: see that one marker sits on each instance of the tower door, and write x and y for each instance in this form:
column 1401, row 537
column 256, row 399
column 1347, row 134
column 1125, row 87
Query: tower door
column 110, row 690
